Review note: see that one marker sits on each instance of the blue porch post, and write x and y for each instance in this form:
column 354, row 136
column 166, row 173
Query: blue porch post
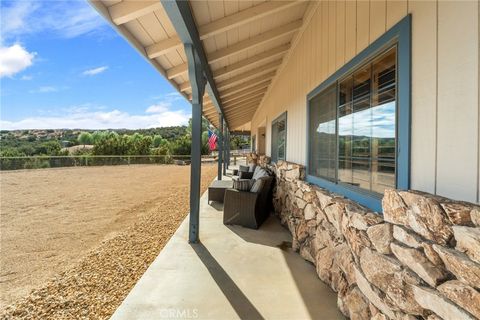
column 197, row 80
column 225, row 130
column 220, row 146
column 201, row 79
column 228, row 149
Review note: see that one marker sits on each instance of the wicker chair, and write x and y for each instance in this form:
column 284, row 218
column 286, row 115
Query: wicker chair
column 248, row 209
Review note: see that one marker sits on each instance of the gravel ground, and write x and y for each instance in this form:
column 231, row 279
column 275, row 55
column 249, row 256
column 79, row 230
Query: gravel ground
column 95, row 286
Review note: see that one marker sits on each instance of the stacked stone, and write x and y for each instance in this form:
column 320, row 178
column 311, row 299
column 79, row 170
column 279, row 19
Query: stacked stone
column 421, row 260
column 251, row 158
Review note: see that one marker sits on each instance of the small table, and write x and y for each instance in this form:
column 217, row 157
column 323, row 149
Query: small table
column 216, row 190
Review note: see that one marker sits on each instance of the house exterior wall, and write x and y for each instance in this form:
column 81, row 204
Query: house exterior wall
column 445, row 109
column 420, row 260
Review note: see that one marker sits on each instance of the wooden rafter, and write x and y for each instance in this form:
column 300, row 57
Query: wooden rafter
column 253, row 92
column 243, row 17
column 242, row 120
column 254, row 41
column 163, row 47
column 256, row 59
column 236, row 122
column 268, row 69
column 126, row 11
column 238, row 109
column 307, row 17
column 185, row 86
column 176, row 71
column 181, row 69
column 245, row 88
column 251, row 100
column 243, row 110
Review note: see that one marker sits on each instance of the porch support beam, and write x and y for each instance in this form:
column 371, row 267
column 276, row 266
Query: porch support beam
column 228, row 149
column 126, row 11
column 180, row 15
column 220, row 146
column 225, row 129
column 195, row 73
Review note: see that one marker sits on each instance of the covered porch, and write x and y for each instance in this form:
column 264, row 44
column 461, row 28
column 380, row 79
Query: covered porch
column 301, row 76
column 233, row 273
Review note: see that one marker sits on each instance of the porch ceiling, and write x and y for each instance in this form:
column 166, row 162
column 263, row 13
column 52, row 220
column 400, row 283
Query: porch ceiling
column 246, row 42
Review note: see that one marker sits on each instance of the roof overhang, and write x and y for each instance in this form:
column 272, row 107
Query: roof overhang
column 241, row 45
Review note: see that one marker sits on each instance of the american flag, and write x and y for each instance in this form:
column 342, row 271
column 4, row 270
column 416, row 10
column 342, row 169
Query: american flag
column 212, row 140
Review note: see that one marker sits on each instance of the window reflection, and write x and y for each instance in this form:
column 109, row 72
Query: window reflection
column 366, row 111
column 279, row 138
column 281, row 128
column 323, row 134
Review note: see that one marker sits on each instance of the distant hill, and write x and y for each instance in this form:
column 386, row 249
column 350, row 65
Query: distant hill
column 68, row 137
column 39, row 141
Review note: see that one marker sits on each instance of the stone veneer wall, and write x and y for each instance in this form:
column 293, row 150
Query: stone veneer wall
column 421, row 260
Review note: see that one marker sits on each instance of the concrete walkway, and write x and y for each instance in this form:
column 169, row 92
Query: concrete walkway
column 235, row 273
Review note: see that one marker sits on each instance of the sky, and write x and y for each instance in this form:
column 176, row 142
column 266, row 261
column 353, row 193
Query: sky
column 63, row 66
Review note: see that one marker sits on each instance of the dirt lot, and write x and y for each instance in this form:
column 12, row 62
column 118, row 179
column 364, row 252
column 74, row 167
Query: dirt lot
column 60, row 228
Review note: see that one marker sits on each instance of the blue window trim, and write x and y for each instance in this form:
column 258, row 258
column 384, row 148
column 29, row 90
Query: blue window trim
column 399, row 34
column 280, row 117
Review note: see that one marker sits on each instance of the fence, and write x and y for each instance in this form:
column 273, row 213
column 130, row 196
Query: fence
column 39, row 162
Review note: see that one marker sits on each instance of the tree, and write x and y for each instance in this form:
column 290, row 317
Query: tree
column 110, row 143
column 139, row 145
column 182, row 146
column 205, row 125
column 85, row 138
column 97, row 136
column 49, row 148
column 238, row 141
column 159, row 141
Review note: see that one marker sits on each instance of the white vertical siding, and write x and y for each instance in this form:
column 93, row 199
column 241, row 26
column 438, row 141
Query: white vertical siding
column 424, row 95
column 457, row 140
column 445, row 149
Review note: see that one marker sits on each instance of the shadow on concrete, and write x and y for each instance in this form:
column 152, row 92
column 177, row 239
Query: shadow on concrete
column 240, row 303
column 271, row 233
column 318, row 297
column 216, row 205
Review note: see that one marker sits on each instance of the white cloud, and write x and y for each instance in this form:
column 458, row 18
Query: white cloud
column 26, row 77
column 14, row 59
column 157, row 108
column 66, row 19
column 14, row 17
column 82, row 117
column 94, row 71
column 45, row 89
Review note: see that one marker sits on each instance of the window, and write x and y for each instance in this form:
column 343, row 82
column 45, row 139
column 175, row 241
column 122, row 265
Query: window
column 279, row 138
column 254, row 144
column 358, row 125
